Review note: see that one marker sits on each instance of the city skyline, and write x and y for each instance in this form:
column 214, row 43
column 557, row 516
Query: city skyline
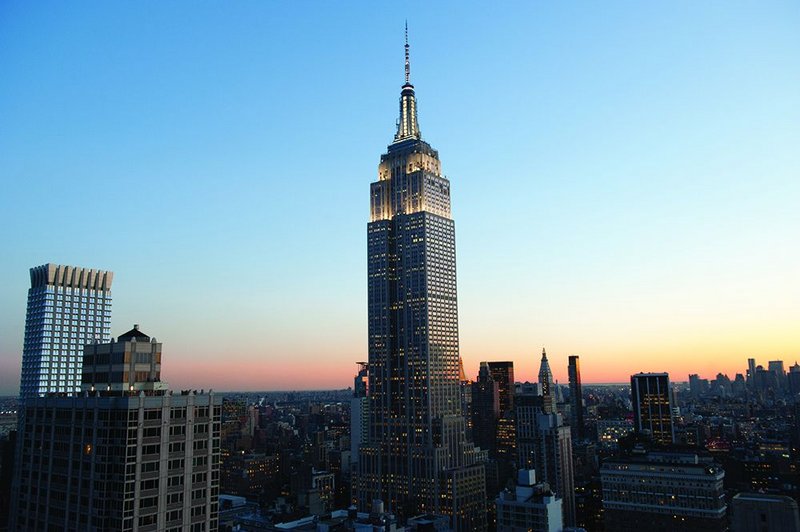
column 613, row 201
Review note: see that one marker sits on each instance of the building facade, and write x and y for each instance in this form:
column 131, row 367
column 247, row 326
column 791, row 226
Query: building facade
column 651, row 397
column 576, row 422
column 359, row 412
column 68, row 307
column 530, row 507
column 485, row 411
column 417, row 458
column 544, row 443
column 123, row 455
column 759, row 512
column 663, row 492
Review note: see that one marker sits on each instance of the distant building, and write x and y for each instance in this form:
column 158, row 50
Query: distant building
column 609, row 431
column 124, row 455
column 776, row 368
column 663, row 492
column 529, row 507
column 576, row 398
column 68, row 307
column 651, row 396
column 359, row 412
column 793, row 379
column 247, row 474
column 546, row 382
column 751, row 374
column 485, row 410
column 758, row 512
column 503, row 375
column 697, row 387
column 544, row 443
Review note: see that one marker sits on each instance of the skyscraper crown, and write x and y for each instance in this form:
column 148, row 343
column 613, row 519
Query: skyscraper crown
column 545, row 375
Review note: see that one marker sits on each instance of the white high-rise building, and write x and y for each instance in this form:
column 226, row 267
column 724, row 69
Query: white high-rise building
column 68, row 307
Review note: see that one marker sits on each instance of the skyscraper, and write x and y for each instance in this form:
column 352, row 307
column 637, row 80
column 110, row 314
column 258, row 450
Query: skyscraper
column 652, row 406
column 544, row 443
column 359, row 411
column 417, row 459
column 68, row 307
column 576, row 398
column 503, row 375
column 485, row 410
column 546, row 384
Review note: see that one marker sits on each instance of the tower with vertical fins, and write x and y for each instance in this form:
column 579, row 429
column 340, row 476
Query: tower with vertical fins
column 417, row 458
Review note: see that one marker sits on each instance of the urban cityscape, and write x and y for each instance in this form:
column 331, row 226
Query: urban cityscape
column 417, row 436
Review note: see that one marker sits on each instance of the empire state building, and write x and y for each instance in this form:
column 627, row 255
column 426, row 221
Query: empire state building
column 417, row 459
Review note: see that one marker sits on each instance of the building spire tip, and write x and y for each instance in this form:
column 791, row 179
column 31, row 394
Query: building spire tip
column 408, row 61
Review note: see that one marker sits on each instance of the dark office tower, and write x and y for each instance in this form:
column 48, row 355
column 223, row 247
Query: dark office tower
column 776, row 368
column 485, row 410
column 466, row 397
column 751, row 374
column 68, row 307
column 652, row 406
column 124, row 455
column 793, row 379
column 503, row 376
column 544, row 443
column 418, row 459
column 359, row 411
column 576, row 398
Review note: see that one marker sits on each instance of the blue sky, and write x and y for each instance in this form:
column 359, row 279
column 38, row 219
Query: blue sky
column 624, row 177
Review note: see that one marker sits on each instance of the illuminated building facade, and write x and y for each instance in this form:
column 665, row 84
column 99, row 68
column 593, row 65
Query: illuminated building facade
column 652, row 406
column 68, row 307
column 417, row 459
column 663, row 492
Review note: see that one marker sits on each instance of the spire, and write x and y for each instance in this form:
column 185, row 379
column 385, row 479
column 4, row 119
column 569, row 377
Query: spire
column 408, row 61
column 545, row 375
column 407, row 126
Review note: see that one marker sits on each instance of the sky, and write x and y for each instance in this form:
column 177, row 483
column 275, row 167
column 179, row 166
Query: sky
column 625, row 178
